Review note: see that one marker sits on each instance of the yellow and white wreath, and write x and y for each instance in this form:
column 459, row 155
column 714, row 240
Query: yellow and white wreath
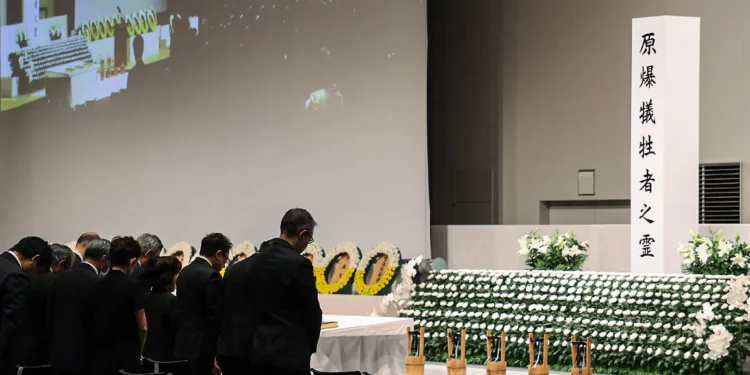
column 315, row 252
column 389, row 276
column 188, row 252
column 331, row 260
column 246, row 249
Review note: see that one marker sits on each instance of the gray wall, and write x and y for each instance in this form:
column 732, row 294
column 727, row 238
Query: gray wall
column 232, row 148
column 565, row 96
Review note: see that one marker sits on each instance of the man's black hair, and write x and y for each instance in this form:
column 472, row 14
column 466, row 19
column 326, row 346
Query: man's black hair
column 123, row 250
column 215, row 242
column 295, row 221
column 30, row 247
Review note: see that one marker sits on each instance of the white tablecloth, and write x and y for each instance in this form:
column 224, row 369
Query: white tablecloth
column 363, row 343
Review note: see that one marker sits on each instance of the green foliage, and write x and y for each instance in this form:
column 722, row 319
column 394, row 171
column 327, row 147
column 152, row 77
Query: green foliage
column 557, row 253
column 714, row 255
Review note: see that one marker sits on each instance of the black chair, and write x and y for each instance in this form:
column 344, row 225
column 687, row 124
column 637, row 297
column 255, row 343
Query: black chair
column 172, row 367
column 35, row 370
column 123, row 372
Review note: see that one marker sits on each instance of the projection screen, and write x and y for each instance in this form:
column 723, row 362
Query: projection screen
column 187, row 117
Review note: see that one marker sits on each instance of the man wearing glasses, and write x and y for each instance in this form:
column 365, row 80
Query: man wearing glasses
column 271, row 320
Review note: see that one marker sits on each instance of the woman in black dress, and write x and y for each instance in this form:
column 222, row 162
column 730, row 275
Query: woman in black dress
column 160, row 304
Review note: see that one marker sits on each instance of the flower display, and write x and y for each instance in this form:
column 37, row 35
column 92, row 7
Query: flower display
column 401, row 295
column 640, row 324
column 331, row 260
column 189, row 252
column 246, row 249
column 557, row 253
column 393, row 255
column 317, row 254
column 714, row 255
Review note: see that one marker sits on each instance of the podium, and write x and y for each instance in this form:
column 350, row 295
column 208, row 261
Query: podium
column 496, row 365
column 581, row 357
column 456, row 365
column 538, row 349
column 415, row 356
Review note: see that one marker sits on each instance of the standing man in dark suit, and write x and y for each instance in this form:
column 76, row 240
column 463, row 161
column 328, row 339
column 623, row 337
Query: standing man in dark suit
column 199, row 288
column 68, row 303
column 36, row 335
column 151, row 246
column 24, row 261
column 117, row 322
column 81, row 245
column 272, row 319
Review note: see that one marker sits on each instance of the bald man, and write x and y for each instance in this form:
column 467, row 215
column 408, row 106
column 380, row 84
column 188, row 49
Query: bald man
column 81, row 244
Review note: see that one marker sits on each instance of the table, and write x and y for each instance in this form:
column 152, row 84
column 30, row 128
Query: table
column 84, row 84
column 363, row 343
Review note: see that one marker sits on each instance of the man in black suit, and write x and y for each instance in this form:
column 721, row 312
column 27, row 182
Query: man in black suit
column 24, row 261
column 272, row 317
column 81, row 245
column 67, row 308
column 116, row 320
column 199, row 288
column 62, row 258
column 36, row 335
column 150, row 246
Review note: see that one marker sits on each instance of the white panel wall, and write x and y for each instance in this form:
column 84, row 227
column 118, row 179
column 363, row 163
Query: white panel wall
column 496, row 246
column 566, row 93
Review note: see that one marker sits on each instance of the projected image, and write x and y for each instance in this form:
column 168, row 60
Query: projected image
column 72, row 52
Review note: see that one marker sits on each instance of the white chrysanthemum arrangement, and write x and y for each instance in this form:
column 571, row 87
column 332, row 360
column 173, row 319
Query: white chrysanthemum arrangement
column 640, row 324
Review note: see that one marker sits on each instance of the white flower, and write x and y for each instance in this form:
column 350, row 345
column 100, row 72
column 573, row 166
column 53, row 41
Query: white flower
column 739, row 260
column 719, row 341
column 703, row 252
column 724, row 248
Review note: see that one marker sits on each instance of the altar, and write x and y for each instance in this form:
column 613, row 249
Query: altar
column 363, row 343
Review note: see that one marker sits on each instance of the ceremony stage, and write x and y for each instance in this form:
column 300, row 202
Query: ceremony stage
column 434, row 368
column 363, row 343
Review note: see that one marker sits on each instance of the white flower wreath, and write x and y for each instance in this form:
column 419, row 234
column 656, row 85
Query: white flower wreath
column 244, row 248
column 387, row 248
column 189, row 253
column 344, row 248
column 317, row 253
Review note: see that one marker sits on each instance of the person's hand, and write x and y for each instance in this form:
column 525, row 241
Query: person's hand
column 217, row 368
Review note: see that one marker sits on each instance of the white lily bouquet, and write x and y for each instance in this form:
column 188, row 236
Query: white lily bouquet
column 557, row 253
column 714, row 255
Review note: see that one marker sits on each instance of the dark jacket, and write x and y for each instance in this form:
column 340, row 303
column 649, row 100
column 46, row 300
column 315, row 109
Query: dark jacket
column 163, row 317
column 14, row 290
column 35, row 341
column 285, row 308
column 68, row 304
column 137, row 277
column 199, row 289
column 112, row 325
column 238, row 323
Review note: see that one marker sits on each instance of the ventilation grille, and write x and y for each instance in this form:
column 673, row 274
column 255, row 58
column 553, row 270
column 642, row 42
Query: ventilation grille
column 719, row 193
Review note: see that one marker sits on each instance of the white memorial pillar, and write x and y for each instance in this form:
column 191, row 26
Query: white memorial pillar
column 664, row 140
column 31, row 20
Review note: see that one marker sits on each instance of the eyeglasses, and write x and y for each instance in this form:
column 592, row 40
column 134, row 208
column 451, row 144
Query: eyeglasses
column 311, row 240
